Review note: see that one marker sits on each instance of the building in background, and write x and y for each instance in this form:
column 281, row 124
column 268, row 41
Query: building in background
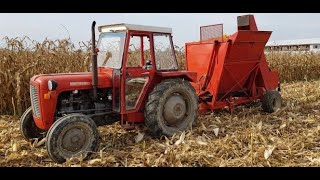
column 305, row 45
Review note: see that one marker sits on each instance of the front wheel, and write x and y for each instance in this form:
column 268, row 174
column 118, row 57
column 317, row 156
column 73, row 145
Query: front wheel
column 172, row 107
column 28, row 128
column 74, row 135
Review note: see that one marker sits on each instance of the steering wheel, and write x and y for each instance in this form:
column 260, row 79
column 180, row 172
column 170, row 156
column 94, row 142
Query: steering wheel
column 148, row 64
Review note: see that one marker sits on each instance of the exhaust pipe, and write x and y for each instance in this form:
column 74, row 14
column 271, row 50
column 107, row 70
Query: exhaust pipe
column 94, row 62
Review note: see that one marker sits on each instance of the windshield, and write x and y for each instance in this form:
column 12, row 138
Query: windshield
column 110, row 47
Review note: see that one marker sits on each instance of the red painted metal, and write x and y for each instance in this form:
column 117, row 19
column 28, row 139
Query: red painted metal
column 187, row 75
column 133, row 115
column 231, row 71
column 66, row 82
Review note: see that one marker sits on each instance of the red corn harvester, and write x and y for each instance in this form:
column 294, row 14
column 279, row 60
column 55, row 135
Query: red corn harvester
column 233, row 70
column 135, row 79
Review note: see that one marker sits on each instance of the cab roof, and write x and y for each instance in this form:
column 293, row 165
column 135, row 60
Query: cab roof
column 134, row 27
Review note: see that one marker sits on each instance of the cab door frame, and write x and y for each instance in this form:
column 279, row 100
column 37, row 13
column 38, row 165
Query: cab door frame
column 135, row 115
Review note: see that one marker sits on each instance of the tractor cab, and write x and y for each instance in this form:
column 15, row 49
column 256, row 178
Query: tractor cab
column 138, row 56
column 128, row 45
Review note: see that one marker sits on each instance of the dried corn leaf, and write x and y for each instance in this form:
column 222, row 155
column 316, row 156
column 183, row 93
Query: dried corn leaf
column 201, row 141
column 181, row 138
column 268, row 151
column 259, row 126
column 216, row 131
column 283, row 125
column 14, row 147
column 139, row 137
column 94, row 161
column 41, row 142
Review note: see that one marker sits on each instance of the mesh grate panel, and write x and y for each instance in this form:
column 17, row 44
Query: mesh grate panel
column 211, row 32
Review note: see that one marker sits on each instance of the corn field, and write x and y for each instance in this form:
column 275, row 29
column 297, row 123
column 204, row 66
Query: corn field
column 295, row 66
column 21, row 58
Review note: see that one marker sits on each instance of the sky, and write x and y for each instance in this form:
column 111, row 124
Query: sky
column 185, row 26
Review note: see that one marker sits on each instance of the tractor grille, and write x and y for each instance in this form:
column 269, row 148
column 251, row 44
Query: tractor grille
column 34, row 100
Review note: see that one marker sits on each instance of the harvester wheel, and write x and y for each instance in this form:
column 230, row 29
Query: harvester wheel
column 28, row 128
column 172, row 107
column 74, row 135
column 271, row 101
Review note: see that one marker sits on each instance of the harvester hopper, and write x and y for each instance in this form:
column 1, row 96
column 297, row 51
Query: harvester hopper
column 233, row 70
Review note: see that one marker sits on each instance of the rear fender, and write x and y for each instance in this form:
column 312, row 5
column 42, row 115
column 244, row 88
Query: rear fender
column 188, row 75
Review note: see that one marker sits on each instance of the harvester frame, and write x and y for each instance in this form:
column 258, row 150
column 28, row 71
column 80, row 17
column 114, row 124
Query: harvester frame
column 237, row 71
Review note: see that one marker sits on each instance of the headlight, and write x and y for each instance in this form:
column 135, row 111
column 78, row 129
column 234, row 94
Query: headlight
column 52, row 85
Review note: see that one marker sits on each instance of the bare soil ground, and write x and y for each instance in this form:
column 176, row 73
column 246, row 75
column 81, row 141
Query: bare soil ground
column 247, row 137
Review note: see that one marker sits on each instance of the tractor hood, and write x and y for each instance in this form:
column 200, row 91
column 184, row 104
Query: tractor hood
column 72, row 81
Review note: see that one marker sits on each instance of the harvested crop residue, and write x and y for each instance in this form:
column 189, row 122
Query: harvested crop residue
column 247, row 137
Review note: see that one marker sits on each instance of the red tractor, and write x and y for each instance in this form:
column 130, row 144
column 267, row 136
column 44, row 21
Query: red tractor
column 135, row 79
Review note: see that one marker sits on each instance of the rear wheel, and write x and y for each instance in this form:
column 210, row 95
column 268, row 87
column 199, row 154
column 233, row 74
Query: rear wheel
column 271, row 101
column 172, row 107
column 74, row 135
column 28, row 128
